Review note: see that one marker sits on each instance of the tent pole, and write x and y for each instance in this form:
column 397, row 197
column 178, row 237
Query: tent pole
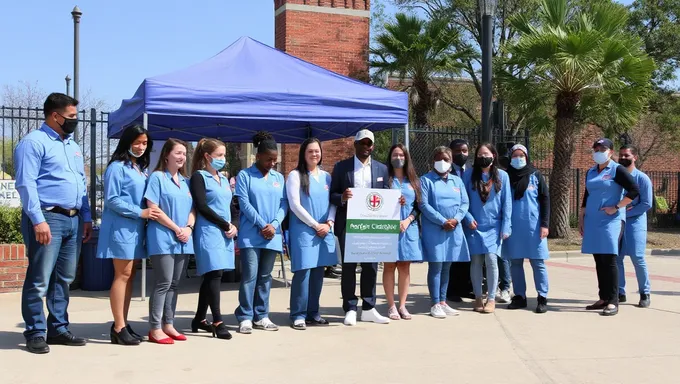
column 143, row 292
column 406, row 139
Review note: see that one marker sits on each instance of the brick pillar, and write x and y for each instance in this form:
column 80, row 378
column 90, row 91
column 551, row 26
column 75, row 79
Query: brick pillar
column 333, row 34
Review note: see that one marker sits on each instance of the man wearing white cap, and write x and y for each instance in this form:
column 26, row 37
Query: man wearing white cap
column 359, row 171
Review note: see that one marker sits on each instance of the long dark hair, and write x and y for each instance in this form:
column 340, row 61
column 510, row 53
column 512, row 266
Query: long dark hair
column 477, row 183
column 409, row 170
column 165, row 151
column 130, row 134
column 205, row 145
column 302, row 163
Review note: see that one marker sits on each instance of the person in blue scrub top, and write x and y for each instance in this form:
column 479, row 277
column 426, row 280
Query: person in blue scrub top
column 602, row 221
column 488, row 222
column 263, row 205
column 403, row 177
column 311, row 239
column 530, row 223
column 444, row 204
column 169, row 239
column 214, row 233
column 635, row 238
column 122, row 232
column 55, row 220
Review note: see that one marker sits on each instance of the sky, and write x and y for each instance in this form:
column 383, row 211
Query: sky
column 122, row 41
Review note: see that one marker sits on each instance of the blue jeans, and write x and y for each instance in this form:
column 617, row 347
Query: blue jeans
column 51, row 269
column 305, row 292
column 540, row 277
column 476, row 275
column 256, row 283
column 438, row 280
column 504, row 275
column 641, row 273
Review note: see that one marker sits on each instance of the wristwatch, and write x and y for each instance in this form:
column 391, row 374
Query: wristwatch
column 330, row 223
column 191, row 227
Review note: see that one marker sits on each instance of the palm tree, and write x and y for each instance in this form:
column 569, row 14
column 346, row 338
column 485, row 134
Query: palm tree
column 419, row 50
column 579, row 59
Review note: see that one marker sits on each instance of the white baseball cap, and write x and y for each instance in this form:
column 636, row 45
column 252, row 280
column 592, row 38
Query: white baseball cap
column 364, row 134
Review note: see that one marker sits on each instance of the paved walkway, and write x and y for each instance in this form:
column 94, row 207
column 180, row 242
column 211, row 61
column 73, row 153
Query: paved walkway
column 566, row 345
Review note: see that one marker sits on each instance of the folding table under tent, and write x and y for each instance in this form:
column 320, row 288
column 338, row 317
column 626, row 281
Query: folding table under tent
column 249, row 87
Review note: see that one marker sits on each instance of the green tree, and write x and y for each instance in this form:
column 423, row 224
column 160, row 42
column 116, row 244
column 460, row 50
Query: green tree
column 582, row 59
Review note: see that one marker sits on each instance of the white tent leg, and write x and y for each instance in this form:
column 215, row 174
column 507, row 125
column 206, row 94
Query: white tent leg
column 143, row 292
column 406, row 138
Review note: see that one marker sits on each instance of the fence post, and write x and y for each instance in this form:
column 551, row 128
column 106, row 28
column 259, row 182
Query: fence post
column 93, row 163
column 578, row 191
column 677, row 199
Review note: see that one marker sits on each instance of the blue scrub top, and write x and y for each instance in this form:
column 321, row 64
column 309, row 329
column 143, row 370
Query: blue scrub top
column 410, row 248
column 262, row 201
column 122, row 232
column 175, row 200
column 635, row 237
column 494, row 218
column 526, row 242
column 601, row 232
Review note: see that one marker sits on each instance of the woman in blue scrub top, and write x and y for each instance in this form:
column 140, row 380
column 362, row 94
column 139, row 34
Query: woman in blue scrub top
column 444, row 204
column 263, row 205
column 312, row 243
column 602, row 221
column 122, row 232
column 214, row 234
column 530, row 223
column 488, row 221
column 169, row 239
column 403, row 177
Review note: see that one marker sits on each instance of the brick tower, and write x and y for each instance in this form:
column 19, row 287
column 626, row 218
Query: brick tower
column 333, row 34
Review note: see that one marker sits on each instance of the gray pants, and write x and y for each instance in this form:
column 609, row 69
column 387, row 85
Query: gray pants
column 167, row 270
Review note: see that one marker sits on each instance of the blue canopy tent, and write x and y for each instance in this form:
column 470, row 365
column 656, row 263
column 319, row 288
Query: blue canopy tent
column 250, row 86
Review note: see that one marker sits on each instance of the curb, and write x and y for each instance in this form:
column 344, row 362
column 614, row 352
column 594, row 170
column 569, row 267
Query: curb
column 649, row 252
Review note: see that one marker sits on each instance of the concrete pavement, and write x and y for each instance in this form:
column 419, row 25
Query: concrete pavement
column 566, row 345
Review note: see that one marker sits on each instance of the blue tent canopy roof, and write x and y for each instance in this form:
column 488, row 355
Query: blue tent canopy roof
column 249, row 87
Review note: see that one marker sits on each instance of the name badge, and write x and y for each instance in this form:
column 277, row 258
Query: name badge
column 326, row 187
column 456, row 189
column 276, row 184
column 379, row 179
column 531, row 187
column 410, row 187
column 78, row 154
column 607, row 177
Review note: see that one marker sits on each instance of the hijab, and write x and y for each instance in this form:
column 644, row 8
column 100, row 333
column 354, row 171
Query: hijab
column 519, row 178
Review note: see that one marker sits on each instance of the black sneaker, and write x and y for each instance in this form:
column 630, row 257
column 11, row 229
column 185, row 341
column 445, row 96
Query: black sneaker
column 622, row 298
column 645, row 301
column 37, row 345
column 67, row 338
column 518, row 302
column 542, row 306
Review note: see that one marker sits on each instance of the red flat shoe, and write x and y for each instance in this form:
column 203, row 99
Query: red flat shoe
column 167, row 340
column 178, row 337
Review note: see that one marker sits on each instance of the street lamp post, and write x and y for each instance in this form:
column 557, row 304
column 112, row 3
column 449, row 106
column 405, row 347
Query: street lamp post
column 487, row 9
column 68, row 85
column 77, row 14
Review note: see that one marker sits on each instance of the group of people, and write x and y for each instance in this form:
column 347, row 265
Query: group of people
column 459, row 217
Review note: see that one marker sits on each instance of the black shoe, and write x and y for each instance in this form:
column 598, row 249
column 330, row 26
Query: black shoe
column 645, row 301
column 333, row 272
column 610, row 311
column 455, row 299
column 123, row 337
column 203, row 325
column 600, row 304
column 37, row 345
column 67, row 338
column 622, row 298
column 321, row 321
column 221, row 331
column 542, row 306
column 134, row 334
column 518, row 302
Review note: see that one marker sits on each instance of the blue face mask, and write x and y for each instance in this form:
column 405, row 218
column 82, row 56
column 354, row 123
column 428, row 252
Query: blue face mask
column 218, row 163
column 136, row 156
column 601, row 157
column 518, row 162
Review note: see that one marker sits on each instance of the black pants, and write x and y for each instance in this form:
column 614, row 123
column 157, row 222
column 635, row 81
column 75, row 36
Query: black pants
column 209, row 296
column 459, row 280
column 348, row 282
column 607, row 278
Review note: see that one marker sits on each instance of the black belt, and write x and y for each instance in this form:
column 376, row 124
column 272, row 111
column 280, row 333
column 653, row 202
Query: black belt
column 62, row 211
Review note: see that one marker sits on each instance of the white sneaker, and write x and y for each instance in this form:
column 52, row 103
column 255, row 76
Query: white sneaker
column 351, row 318
column 245, row 327
column 374, row 317
column 448, row 310
column 266, row 325
column 437, row 312
column 503, row 297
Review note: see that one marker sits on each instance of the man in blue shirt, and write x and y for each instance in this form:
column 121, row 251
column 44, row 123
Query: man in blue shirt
column 55, row 220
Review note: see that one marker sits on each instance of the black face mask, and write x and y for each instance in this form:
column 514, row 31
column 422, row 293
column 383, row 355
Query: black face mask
column 460, row 159
column 626, row 162
column 483, row 162
column 69, row 125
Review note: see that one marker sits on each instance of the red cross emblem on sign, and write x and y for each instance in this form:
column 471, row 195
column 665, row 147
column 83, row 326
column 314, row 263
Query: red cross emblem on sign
column 373, row 201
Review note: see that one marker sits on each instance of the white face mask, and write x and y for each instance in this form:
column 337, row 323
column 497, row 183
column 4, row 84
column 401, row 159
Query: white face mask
column 601, row 157
column 442, row 166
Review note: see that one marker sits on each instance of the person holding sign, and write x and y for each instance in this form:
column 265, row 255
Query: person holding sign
column 488, row 221
column 403, row 177
column 312, row 243
column 359, row 171
column 444, row 205
column 263, row 205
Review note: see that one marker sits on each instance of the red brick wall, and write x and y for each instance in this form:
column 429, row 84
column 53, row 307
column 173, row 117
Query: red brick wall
column 336, row 42
column 13, row 263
